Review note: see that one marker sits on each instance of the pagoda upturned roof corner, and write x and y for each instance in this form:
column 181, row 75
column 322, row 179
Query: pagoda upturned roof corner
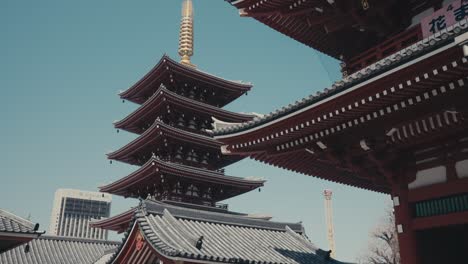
column 166, row 66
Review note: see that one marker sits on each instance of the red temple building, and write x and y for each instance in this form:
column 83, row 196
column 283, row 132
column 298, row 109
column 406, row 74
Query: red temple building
column 396, row 123
column 181, row 179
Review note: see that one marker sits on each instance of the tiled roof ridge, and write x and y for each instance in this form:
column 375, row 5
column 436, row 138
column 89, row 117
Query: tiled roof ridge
column 173, row 221
column 79, row 239
column 199, row 207
column 19, row 220
column 302, row 239
column 360, row 76
column 211, row 213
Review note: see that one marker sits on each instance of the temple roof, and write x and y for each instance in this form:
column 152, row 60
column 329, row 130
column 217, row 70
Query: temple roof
column 154, row 105
column 174, row 231
column 327, row 135
column 15, row 224
column 15, row 230
column 59, row 250
column 337, row 28
column 145, row 177
column 358, row 79
column 145, row 88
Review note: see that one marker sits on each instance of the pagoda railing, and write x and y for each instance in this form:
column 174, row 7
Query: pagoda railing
column 384, row 49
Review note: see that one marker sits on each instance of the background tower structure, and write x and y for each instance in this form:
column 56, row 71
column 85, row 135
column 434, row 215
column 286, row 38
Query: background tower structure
column 329, row 220
column 74, row 209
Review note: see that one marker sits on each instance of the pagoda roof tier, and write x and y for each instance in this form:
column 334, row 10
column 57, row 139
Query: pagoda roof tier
column 171, row 233
column 169, row 71
column 156, row 137
column 328, row 26
column 155, row 173
column 118, row 223
column 400, row 94
column 15, row 231
column 164, row 97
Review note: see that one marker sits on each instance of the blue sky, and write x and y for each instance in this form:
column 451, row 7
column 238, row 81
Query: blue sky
column 62, row 64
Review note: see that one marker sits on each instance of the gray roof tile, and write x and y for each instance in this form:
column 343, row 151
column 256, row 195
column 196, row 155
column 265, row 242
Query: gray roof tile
column 12, row 223
column 178, row 236
column 59, row 250
column 156, row 207
column 174, row 231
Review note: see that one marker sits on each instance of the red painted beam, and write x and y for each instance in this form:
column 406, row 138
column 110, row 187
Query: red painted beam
column 438, row 190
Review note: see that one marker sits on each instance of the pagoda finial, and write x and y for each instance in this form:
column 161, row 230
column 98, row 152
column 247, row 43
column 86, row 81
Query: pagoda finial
column 186, row 33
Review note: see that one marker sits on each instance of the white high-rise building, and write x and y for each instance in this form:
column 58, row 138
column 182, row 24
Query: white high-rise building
column 74, row 209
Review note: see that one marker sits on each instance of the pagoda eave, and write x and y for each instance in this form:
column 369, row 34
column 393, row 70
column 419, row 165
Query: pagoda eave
column 151, row 175
column 164, row 98
column 154, row 136
column 138, row 92
column 118, row 223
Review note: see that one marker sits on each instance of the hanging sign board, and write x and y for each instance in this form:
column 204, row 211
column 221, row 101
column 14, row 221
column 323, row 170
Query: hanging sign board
column 444, row 17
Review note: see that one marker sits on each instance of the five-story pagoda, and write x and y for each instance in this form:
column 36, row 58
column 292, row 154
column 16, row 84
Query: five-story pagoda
column 181, row 177
column 179, row 161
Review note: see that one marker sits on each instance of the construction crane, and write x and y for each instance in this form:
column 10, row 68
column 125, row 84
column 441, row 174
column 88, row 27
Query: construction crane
column 329, row 218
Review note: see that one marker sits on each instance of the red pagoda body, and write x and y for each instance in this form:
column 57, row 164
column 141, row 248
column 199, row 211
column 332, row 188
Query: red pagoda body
column 397, row 121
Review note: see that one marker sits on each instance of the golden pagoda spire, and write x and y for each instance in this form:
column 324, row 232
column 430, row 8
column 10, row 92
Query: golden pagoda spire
column 186, row 33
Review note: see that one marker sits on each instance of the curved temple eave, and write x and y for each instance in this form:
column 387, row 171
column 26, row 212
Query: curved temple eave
column 154, row 132
column 163, row 95
column 236, row 89
column 122, row 186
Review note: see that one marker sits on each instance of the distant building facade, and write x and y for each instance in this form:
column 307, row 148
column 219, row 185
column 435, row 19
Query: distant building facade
column 74, row 209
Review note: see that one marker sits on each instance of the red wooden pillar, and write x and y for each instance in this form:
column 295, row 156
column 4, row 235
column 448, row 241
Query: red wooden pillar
column 407, row 239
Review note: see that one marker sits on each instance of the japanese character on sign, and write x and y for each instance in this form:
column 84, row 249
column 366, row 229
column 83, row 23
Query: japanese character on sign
column 444, row 17
column 438, row 24
column 461, row 12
